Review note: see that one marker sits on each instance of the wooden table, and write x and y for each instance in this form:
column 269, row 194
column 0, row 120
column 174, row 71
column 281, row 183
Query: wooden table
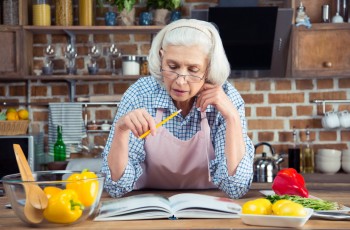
column 8, row 219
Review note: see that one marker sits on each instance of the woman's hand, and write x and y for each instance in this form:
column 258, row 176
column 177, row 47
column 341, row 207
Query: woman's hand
column 137, row 121
column 214, row 95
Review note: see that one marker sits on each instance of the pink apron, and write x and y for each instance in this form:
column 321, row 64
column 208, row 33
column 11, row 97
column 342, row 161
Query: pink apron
column 171, row 163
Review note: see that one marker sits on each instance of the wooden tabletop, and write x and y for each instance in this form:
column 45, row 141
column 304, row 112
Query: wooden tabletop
column 8, row 219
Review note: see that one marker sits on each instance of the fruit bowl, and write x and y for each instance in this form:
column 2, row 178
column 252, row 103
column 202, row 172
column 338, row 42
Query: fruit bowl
column 88, row 193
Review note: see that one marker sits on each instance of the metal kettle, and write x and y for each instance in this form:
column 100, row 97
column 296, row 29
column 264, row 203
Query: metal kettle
column 266, row 168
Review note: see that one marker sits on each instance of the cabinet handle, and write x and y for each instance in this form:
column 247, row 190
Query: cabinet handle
column 327, row 64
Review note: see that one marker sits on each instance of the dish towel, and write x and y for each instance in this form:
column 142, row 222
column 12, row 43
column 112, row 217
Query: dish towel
column 70, row 116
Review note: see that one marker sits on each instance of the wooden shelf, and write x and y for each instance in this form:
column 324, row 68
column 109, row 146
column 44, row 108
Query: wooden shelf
column 72, row 77
column 93, row 29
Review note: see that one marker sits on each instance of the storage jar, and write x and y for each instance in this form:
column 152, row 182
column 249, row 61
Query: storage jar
column 10, row 12
column 64, row 12
column 87, row 12
column 130, row 65
column 41, row 13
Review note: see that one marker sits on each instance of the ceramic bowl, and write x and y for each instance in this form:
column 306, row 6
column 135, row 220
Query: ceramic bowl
column 327, row 158
column 346, row 152
column 327, row 167
column 329, row 152
column 345, row 165
column 14, row 190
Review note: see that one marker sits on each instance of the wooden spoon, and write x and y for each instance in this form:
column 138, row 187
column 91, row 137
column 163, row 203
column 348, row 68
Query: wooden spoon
column 36, row 199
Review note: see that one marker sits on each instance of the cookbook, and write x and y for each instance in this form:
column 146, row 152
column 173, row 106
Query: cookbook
column 153, row 206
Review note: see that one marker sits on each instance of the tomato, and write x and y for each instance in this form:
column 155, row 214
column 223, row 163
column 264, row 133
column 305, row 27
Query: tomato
column 291, row 209
column 257, row 206
column 277, row 205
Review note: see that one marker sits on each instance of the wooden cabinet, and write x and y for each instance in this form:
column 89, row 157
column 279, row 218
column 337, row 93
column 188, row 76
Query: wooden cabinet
column 322, row 50
column 11, row 61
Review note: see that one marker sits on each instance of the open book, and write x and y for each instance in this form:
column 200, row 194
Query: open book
column 152, row 206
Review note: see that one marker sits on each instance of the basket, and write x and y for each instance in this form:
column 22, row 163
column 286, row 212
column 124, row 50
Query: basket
column 13, row 127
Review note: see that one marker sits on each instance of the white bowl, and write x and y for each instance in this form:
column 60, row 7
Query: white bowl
column 345, row 165
column 327, row 159
column 328, row 167
column 329, row 152
column 345, row 158
column 346, row 152
column 276, row 221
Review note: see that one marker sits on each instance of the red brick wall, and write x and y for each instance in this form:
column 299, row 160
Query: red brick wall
column 273, row 106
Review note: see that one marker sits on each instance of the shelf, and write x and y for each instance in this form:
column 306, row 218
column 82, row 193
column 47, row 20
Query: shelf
column 72, row 77
column 93, row 29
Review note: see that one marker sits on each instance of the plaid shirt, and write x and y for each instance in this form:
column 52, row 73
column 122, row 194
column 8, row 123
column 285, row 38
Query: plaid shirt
column 149, row 94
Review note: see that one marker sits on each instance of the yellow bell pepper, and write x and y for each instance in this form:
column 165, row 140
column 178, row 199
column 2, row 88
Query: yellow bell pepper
column 51, row 191
column 64, row 207
column 85, row 186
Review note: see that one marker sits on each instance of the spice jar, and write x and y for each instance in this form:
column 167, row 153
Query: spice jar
column 64, row 12
column 144, row 66
column 87, row 12
column 10, row 12
column 41, row 13
column 131, row 65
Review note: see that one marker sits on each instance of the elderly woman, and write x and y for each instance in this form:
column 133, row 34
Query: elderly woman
column 206, row 144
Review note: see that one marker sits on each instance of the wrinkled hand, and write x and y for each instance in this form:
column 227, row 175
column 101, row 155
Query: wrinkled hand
column 137, row 121
column 214, row 95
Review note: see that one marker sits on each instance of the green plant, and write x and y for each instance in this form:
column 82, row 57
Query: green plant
column 164, row 4
column 121, row 4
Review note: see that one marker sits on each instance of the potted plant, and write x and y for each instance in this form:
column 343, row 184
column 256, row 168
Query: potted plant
column 163, row 9
column 125, row 8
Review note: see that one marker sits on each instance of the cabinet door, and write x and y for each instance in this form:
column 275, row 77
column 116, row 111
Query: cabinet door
column 323, row 50
column 10, row 55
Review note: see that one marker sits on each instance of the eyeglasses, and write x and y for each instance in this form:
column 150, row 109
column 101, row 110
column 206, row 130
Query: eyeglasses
column 187, row 77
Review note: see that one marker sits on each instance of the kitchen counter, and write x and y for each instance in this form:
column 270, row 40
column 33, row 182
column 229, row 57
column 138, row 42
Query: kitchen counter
column 9, row 220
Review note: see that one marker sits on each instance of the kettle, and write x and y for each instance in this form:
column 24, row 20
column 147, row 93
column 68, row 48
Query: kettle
column 266, row 168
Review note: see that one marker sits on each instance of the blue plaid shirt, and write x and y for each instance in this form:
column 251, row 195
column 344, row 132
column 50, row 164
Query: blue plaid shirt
column 149, row 94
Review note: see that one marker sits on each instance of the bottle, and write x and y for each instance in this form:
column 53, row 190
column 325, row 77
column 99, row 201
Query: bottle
column 64, row 12
column 87, row 12
column 308, row 155
column 41, row 13
column 294, row 153
column 59, row 147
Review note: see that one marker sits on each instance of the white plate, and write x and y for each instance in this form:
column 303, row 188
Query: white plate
column 276, row 221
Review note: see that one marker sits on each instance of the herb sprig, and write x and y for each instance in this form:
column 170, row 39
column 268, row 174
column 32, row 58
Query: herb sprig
column 315, row 204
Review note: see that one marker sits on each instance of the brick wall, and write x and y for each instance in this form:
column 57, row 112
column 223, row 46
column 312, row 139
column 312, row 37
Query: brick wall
column 273, row 106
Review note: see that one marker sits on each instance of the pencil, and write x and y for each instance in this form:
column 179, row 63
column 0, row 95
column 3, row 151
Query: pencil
column 160, row 123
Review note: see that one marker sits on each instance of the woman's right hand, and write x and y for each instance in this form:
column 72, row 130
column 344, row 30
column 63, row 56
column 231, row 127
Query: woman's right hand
column 138, row 122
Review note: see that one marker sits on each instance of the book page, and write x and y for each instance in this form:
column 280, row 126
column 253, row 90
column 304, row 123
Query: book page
column 192, row 205
column 145, row 206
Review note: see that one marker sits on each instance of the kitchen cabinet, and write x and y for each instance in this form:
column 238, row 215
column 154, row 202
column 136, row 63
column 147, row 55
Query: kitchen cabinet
column 11, row 61
column 321, row 51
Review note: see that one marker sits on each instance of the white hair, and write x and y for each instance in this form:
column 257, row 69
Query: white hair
column 189, row 32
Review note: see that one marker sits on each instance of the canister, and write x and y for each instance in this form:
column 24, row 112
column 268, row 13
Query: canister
column 10, row 12
column 41, row 13
column 87, row 12
column 131, row 65
column 64, row 12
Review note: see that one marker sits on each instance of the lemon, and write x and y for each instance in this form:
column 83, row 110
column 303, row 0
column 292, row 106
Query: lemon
column 11, row 110
column 276, row 206
column 291, row 209
column 23, row 114
column 266, row 203
column 255, row 207
column 12, row 116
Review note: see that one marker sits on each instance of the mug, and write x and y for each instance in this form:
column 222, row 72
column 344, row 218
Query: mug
column 330, row 120
column 344, row 118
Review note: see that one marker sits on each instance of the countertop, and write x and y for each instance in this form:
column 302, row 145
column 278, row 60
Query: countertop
column 8, row 219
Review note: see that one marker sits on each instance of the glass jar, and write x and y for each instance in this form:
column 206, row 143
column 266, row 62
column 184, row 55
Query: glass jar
column 131, row 65
column 41, row 13
column 64, row 12
column 10, row 12
column 87, row 12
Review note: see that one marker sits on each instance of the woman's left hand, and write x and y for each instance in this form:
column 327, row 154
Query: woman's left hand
column 214, row 95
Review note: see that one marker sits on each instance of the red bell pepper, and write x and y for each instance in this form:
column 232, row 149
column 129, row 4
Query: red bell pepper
column 289, row 182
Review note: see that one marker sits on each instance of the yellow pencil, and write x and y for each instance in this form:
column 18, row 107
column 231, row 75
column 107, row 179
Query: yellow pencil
column 160, row 123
